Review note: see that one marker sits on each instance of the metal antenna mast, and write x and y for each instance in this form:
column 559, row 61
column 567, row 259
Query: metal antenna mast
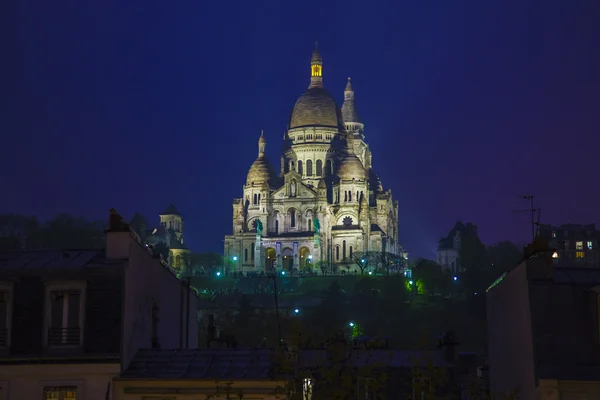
column 531, row 210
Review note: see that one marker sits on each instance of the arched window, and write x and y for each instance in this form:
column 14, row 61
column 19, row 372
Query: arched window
column 349, row 195
column 328, row 168
column 319, row 167
column 337, row 252
column 259, row 197
column 252, row 252
column 345, row 195
column 300, row 167
column 310, row 225
column 309, row 168
column 292, row 218
column 276, row 226
column 344, row 249
column 255, row 199
column 245, row 255
column 350, row 251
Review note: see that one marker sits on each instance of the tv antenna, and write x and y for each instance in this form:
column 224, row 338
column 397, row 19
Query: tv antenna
column 531, row 210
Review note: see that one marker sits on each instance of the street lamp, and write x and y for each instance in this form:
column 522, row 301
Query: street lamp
column 296, row 311
column 351, row 324
column 234, row 258
column 218, row 274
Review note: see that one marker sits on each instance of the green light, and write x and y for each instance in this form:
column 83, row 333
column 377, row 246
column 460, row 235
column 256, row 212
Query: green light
column 410, row 282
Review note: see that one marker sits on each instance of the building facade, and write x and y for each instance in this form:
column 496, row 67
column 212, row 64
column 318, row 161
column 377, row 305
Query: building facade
column 575, row 245
column 448, row 251
column 71, row 320
column 543, row 330
column 326, row 204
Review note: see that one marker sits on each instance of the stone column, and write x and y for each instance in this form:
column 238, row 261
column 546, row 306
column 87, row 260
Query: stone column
column 259, row 263
column 295, row 248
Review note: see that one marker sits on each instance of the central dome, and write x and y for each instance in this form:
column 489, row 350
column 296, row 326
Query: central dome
column 316, row 107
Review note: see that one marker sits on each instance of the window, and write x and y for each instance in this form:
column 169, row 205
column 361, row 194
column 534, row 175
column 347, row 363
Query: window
column 579, row 245
column 344, row 249
column 60, row 393
column 319, row 171
column 276, row 226
column 553, row 234
column 307, row 389
column 245, row 255
column 310, row 225
column 309, row 168
column 64, row 315
column 300, row 169
column 579, row 254
column 292, row 218
column 589, row 245
column 5, row 315
column 350, row 251
column 337, row 252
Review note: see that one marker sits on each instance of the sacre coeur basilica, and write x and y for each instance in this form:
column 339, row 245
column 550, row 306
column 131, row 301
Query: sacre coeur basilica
column 326, row 204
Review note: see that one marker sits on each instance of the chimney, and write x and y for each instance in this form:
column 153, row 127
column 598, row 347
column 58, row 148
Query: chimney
column 118, row 237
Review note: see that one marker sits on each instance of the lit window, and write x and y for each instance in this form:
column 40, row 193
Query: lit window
column 307, row 389
column 579, row 245
column 60, row 393
column 553, row 234
column 579, row 254
column 589, row 245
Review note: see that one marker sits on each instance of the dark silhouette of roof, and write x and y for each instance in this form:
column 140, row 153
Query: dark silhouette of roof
column 214, row 364
column 49, row 259
column 170, row 210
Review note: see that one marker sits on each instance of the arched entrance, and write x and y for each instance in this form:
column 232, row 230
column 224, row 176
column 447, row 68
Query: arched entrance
column 287, row 258
column 306, row 261
column 270, row 258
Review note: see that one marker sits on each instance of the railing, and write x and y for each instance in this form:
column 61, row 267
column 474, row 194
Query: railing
column 64, row 337
column 3, row 337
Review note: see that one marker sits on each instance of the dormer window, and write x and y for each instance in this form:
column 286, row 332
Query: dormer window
column 64, row 314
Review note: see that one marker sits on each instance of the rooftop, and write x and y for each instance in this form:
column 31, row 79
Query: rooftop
column 49, row 259
column 211, row 364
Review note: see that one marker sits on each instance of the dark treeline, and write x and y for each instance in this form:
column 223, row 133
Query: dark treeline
column 61, row 232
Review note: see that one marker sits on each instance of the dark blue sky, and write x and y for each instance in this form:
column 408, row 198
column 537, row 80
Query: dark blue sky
column 467, row 105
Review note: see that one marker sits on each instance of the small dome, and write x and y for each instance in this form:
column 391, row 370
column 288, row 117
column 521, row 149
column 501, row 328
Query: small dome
column 316, row 107
column 316, row 56
column 351, row 168
column 261, row 171
column 322, row 184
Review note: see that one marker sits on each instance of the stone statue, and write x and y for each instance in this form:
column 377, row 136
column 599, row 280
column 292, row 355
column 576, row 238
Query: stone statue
column 293, row 188
column 317, row 225
column 258, row 226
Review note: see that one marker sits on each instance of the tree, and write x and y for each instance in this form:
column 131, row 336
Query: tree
column 15, row 230
column 206, row 262
column 67, row 232
column 430, row 274
column 365, row 260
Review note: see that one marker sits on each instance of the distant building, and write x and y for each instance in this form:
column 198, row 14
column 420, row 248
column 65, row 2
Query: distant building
column 325, row 204
column 543, row 331
column 575, row 245
column 448, row 251
column 169, row 233
column 71, row 320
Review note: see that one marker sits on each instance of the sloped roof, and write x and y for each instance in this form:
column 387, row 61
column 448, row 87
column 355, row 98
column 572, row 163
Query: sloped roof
column 49, row 259
column 214, row 364
column 170, row 210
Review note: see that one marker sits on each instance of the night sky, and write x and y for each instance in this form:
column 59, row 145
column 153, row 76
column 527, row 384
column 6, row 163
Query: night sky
column 138, row 104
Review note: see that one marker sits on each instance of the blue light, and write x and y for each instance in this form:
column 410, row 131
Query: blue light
column 282, row 272
column 351, row 324
column 296, row 311
column 362, row 261
column 234, row 258
column 455, row 278
column 218, row 274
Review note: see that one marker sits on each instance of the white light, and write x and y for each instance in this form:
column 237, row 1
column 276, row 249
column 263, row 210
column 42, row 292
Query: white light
column 455, row 278
column 296, row 311
column 370, row 273
column 282, row 272
column 351, row 324
column 310, row 256
column 234, row 258
column 218, row 274
column 362, row 261
column 555, row 255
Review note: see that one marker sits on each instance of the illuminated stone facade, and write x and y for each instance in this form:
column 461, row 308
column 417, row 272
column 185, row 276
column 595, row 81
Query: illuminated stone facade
column 326, row 203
